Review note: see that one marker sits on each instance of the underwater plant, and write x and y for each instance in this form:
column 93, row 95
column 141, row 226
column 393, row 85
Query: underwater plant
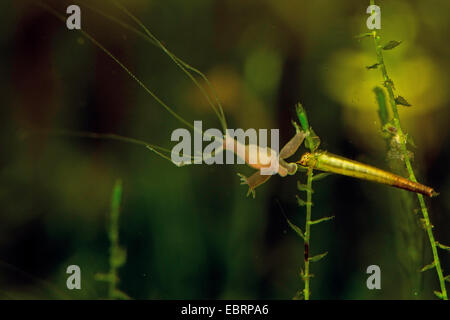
column 398, row 139
column 313, row 160
column 117, row 254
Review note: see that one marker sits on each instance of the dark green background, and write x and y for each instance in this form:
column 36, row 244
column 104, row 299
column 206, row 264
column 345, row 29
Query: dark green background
column 190, row 232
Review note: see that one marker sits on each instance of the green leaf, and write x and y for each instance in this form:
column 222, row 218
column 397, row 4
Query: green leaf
column 363, row 35
column 447, row 278
column 313, row 141
column 321, row 220
column 402, row 101
column 300, row 201
column 391, row 45
column 296, row 126
column 299, row 295
column 301, row 114
column 320, row 176
column 428, row 267
column 304, row 276
column 439, row 294
column 410, row 141
column 303, row 187
column 120, row 295
column 374, row 66
column 444, row 247
column 317, row 257
column 296, row 229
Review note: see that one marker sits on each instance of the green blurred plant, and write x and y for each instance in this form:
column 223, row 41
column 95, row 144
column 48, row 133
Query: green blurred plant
column 399, row 140
column 117, row 254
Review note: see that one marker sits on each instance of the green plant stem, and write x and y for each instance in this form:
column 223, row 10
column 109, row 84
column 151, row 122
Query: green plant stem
column 308, row 232
column 402, row 141
column 311, row 144
column 114, row 238
column 117, row 254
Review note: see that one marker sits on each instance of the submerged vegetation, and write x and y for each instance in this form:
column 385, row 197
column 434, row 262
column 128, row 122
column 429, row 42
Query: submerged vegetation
column 399, row 140
column 195, row 236
column 312, row 143
column 117, row 254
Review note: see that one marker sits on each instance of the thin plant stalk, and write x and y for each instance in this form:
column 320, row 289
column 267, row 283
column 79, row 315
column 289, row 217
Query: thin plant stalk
column 402, row 139
column 306, row 291
column 311, row 142
column 113, row 233
column 305, row 126
column 117, row 254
